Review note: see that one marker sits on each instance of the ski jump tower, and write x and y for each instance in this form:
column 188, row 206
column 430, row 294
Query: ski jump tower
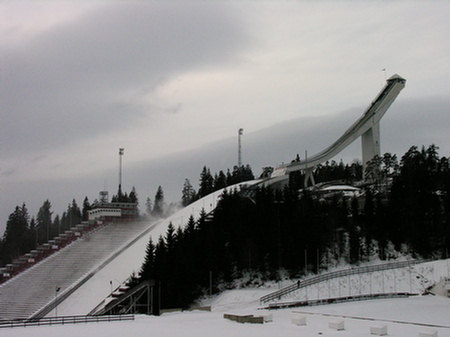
column 367, row 127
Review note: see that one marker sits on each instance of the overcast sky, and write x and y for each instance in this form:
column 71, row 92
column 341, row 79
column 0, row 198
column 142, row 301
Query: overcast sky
column 168, row 80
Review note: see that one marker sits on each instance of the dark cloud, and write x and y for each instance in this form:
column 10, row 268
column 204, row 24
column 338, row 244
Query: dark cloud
column 90, row 74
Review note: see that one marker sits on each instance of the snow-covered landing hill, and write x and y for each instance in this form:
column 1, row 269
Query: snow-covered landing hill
column 96, row 289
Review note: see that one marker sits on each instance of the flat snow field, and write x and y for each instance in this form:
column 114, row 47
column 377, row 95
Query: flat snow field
column 431, row 310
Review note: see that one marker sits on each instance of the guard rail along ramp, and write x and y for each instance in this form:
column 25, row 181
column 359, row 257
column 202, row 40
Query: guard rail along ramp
column 367, row 127
column 341, row 273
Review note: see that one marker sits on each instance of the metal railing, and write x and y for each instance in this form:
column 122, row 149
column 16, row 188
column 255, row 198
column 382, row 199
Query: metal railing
column 343, row 299
column 61, row 320
column 341, row 273
column 133, row 295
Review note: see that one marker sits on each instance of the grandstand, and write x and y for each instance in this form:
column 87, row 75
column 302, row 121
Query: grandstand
column 27, row 294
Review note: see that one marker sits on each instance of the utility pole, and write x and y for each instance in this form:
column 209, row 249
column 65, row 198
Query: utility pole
column 241, row 131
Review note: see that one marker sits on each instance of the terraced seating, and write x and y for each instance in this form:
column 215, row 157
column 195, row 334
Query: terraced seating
column 31, row 290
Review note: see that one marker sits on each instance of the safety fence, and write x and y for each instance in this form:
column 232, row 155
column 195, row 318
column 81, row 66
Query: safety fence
column 341, row 273
column 343, row 299
column 61, row 320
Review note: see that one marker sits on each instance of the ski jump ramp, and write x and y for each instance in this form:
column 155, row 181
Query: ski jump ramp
column 367, row 127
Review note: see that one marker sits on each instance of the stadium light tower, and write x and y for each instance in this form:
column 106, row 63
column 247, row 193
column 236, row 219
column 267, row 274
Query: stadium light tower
column 120, row 166
column 241, row 131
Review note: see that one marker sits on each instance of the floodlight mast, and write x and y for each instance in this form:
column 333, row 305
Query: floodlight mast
column 121, row 150
column 240, row 132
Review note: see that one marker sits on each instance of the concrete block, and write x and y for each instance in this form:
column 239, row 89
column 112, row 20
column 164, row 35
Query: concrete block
column 253, row 320
column 245, row 318
column 165, row 311
column 267, row 317
column 431, row 333
column 206, row 308
column 380, row 330
column 336, row 325
column 298, row 320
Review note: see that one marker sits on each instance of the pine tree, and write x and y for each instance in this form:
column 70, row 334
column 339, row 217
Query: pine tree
column 206, row 182
column 148, row 267
column 56, row 225
column 44, row 221
column 158, row 208
column 221, row 181
column 190, row 227
column 133, row 197
column 75, row 213
column 148, row 206
column 354, row 237
column 188, row 193
column 170, row 238
column 33, row 233
column 17, row 238
column 86, row 208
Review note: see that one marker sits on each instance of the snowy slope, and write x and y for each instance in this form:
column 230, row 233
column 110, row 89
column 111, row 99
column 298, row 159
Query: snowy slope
column 89, row 295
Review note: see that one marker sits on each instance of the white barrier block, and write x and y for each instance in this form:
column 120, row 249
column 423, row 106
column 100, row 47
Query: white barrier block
column 298, row 320
column 268, row 317
column 380, row 330
column 432, row 333
column 336, row 325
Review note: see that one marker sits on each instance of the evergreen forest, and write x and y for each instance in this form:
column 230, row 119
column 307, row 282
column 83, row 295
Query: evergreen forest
column 406, row 209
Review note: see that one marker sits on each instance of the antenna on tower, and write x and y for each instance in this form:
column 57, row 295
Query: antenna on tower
column 241, row 131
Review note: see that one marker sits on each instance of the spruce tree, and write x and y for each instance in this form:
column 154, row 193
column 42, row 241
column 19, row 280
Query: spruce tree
column 158, row 208
column 148, row 206
column 44, row 221
column 148, row 267
column 206, row 182
column 86, row 209
column 133, row 197
column 17, row 238
column 187, row 194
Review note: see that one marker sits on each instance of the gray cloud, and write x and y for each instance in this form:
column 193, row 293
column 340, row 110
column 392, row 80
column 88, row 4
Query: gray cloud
column 412, row 122
column 90, row 74
column 154, row 77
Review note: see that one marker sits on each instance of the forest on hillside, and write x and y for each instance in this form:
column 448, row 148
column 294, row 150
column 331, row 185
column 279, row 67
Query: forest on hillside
column 406, row 209
column 25, row 232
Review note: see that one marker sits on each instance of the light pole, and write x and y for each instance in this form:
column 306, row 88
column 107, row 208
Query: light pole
column 56, row 300
column 120, row 165
column 240, row 132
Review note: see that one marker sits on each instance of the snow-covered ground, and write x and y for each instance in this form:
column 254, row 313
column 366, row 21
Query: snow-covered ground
column 431, row 310
column 404, row 317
